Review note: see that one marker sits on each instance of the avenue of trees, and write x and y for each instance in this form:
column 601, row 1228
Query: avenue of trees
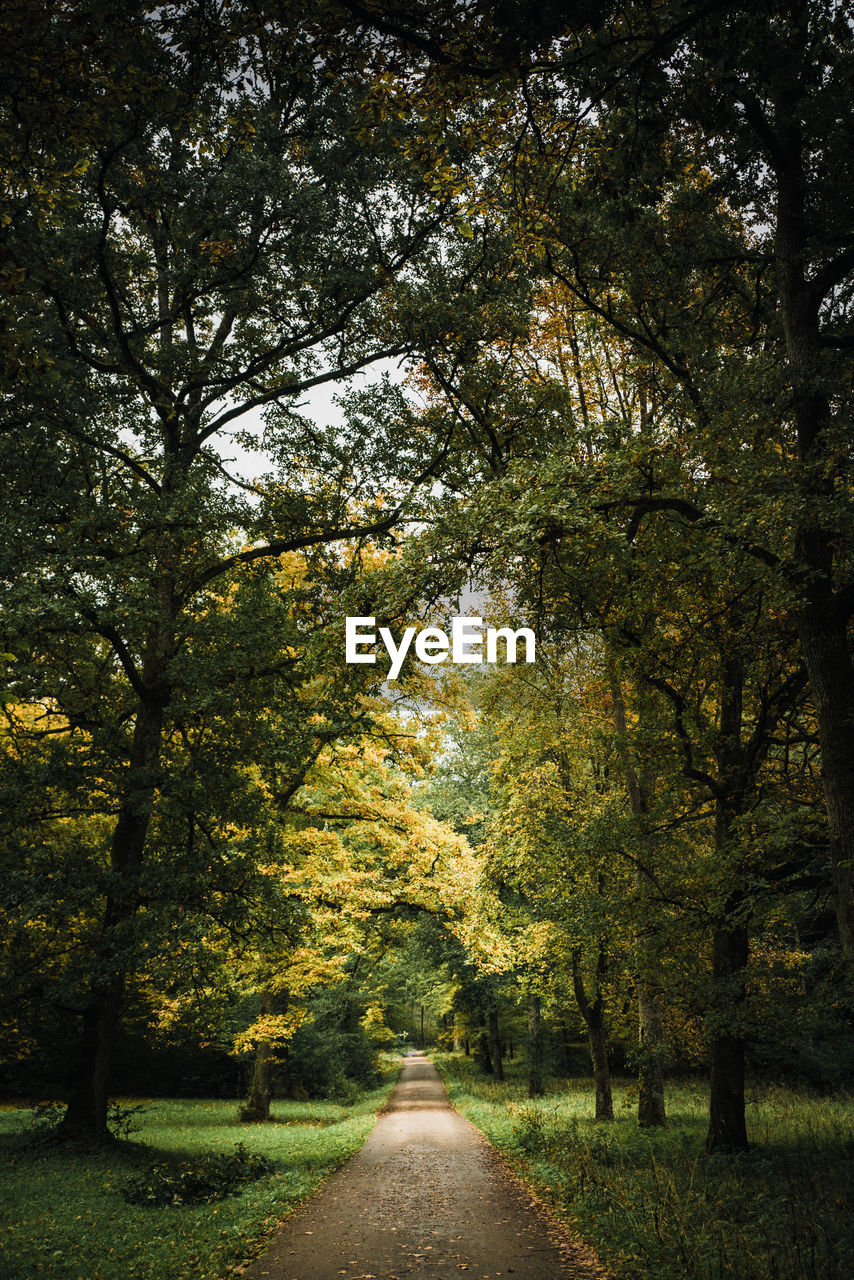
column 610, row 255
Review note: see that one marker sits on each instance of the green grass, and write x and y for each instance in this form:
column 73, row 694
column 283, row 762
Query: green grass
column 62, row 1214
column 654, row 1205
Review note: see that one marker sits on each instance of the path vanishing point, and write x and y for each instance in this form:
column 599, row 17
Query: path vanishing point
column 426, row 1196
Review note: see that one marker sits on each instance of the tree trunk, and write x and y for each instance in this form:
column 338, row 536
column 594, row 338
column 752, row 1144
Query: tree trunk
column 495, row 1046
column 727, row 1124
column 483, row 1054
column 458, row 1037
column 536, row 1084
column 823, row 619
column 639, row 784
column 257, row 1108
column 831, row 674
column 593, row 1013
column 601, row 1068
column 85, row 1117
column 651, row 1108
column 563, row 1046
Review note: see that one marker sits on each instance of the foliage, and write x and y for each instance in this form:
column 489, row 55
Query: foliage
column 613, row 253
column 212, row 236
column 201, row 1182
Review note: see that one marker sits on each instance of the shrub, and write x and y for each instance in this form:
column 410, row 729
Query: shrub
column 202, row 1182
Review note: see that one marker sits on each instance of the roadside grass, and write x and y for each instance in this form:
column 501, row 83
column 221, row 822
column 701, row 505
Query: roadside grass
column 63, row 1217
column 653, row 1204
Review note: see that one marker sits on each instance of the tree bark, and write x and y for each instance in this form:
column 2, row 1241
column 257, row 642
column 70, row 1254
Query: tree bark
column 824, row 616
column 536, row 1082
column 601, row 1068
column 727, row 1124
column 495, row 1045
column 651, row 1105
column 257, row 1108
column 593, row 1013
column 828, row 662
column 85, row 1117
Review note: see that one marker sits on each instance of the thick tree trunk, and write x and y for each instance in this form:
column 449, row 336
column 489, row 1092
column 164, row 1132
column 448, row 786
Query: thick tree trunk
column 257, row 1108
column 651, row 1107
column 536, row 1081
column 85, row 1118
column 826, row 612
column 831, row 674
column 495, row 1045
column 639, row 784
column 601, row 1068
column 458, row 1036
column 727, row 1124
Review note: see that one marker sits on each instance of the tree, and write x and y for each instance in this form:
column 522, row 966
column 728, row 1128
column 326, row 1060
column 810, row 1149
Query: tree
column 227, row 239
column 746, row 102
column 677, row 167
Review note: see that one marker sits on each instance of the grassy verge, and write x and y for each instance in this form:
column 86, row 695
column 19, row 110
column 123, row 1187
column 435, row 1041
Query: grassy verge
column 654, row 1205
column 62, row 1214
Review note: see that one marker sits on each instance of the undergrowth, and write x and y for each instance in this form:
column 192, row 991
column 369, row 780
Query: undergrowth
column 196, row 1181
column 655, row 1206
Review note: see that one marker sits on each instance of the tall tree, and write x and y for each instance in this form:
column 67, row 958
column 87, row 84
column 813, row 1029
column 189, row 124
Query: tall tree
column 233, row 213
column 744, row 103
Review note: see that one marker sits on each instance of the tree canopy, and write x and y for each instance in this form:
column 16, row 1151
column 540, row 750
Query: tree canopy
column 582, row 288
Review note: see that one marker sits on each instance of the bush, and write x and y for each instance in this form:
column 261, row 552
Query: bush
column 202, row 1182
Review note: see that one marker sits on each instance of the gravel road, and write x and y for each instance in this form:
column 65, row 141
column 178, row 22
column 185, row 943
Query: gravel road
column 426, row 1196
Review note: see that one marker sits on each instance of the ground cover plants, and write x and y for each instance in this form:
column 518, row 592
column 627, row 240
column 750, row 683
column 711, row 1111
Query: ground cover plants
column 67, row 1214
column 653, row 1204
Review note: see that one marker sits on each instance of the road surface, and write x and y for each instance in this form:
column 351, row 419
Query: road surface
column 427, row 1196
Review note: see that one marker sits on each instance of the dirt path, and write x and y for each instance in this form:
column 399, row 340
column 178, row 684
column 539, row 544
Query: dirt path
column 426, row 1196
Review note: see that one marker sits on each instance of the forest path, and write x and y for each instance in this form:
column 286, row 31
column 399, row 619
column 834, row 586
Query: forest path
column 426, row 1196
